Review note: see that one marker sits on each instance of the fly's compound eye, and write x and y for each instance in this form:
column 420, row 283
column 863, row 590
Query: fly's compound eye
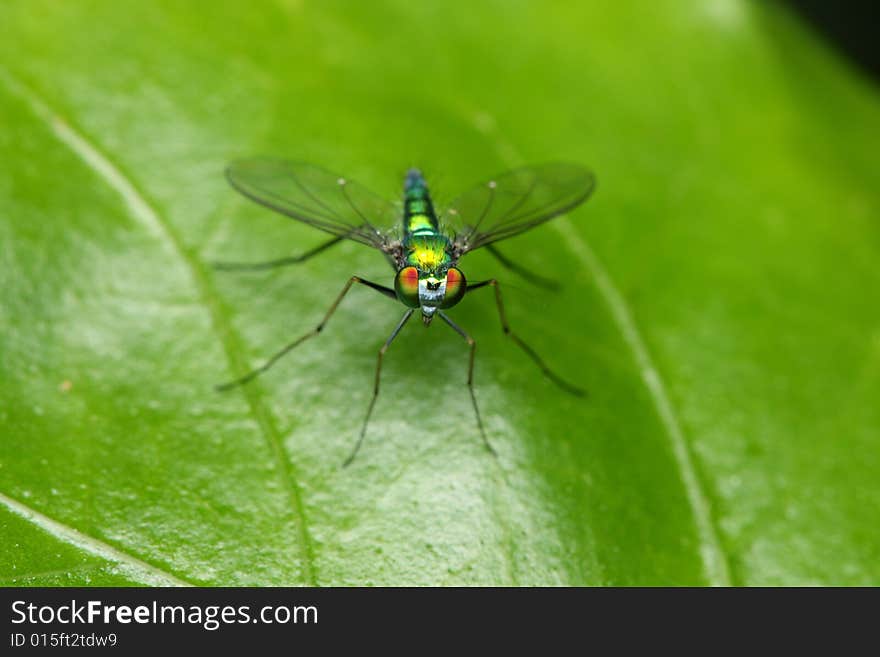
column 455, row 287
column 406, row 285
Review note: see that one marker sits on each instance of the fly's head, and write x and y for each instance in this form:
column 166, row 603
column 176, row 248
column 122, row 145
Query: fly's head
column 430, row 290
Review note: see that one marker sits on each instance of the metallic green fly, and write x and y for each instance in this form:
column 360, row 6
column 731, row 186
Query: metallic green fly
column 423, row 248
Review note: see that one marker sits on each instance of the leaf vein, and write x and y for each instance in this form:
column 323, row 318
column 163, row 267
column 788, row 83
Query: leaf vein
column 712, row 554
column 162, row 229
column 133, row 566
column 711, row 551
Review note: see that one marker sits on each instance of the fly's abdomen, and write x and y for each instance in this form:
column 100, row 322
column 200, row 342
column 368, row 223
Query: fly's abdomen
column 418, row 210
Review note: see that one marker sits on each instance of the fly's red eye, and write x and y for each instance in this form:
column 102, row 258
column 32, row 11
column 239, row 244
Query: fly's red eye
column 406, row 284
column 455, row 287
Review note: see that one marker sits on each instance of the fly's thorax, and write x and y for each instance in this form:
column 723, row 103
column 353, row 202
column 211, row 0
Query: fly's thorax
column 429, row 251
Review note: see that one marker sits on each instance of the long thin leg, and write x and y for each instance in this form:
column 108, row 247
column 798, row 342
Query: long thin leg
column 387, row 291
column 382, row 351
column 470, row 380
column 565, row 385
column 532, row 277
column 280, row 262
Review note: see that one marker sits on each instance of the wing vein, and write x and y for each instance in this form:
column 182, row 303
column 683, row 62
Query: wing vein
column 356, row 209
column 485, row 212
column 311, row 195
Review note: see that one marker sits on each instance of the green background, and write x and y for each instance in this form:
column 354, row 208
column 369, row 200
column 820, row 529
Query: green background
column 719, row 301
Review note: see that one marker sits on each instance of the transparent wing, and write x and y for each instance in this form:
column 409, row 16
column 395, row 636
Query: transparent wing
column 515, row 201
column 317, row 197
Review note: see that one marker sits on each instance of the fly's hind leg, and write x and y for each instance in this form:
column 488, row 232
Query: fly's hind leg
column 530, row 276
column 279, row 262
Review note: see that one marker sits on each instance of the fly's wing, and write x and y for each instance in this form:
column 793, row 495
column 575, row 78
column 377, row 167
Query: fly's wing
column 317, row 197
column 515, row 201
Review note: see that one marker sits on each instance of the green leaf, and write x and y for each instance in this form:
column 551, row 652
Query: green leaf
column 719, row 299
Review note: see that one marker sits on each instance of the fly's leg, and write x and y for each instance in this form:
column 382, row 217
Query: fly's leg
column 376, row 384
column 387, row 291
column 529, row 275
column 470, row 379
column 280, row 262
column 562, row 383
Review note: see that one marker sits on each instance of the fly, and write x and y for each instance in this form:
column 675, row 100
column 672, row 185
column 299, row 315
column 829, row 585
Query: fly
column 423, row 248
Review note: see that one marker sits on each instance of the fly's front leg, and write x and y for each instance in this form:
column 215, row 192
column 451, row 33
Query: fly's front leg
column 470, row 379
column 550, row 374
column 387, row 291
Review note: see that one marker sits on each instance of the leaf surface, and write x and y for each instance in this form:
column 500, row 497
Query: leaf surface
column 719, row 299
